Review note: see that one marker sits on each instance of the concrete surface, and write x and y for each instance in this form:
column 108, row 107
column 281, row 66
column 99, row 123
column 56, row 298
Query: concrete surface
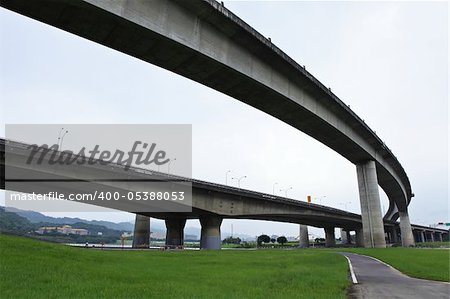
column 303, row 236
column 369, row 197
column 141, row 237
column 207, row 43
column 405, row 230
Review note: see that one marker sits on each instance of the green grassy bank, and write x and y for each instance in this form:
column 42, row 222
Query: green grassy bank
column 35, row 269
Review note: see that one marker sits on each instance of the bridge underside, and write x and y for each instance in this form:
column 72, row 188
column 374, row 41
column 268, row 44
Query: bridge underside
column 203, row 41
column 208, row 44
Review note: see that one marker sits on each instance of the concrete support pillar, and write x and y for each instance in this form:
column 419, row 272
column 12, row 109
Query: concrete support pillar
column 175, row 231
column 372, row 220
column 440, row 237
column 405, row 230
column 389, row 234
column 394, row 235
column 349, row 237
column 344, row 238
column 141, row 236
column 210, row 234
column 304, row 238
column 432, row 236
column 359, row 237
column 330, row 240
column 422, row 237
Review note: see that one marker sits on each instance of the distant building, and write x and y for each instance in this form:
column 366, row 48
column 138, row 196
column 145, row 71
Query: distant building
column 65, row 230
column 158, row 235
column 126, row 235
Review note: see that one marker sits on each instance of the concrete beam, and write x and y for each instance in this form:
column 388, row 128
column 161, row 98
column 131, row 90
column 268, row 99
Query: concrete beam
column 175, row 231
column 141, row 236
column 372, row 219
column 330, row 239
column 304, row 238
column 406, row 230
column 210, row 233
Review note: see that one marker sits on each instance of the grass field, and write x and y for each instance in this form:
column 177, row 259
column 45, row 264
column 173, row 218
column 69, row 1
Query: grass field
column 445, row 244
column 35, row 269
column 430, row 264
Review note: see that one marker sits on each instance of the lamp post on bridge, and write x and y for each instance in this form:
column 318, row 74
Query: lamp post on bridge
column 59, row 136
column 285, row 191
column 320, row 198
column 239, row 180
column 345, row 204
column 168, row 165
column 226, row 177
column 273, row 188
column 62, row 139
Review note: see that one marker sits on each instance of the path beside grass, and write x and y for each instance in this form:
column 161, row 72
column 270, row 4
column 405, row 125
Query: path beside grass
column 432, row 264
column 35, row 269
column 376, row 280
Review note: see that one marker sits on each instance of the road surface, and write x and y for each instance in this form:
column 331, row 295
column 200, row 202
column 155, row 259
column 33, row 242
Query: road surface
column 378, row 280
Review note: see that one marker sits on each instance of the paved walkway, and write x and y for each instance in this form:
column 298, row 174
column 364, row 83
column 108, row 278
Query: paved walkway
column 378, row 280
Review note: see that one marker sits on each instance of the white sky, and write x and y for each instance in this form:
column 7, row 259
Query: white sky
column 387, row 60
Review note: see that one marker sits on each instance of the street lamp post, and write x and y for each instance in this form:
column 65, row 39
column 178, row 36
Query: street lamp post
column 59, row 136
column 273, row 188
column 168, row 165
column 345, row 204
column 226, row 177
column 320, row 198
column 62, row 139
column 285, row 191
column 239, row 180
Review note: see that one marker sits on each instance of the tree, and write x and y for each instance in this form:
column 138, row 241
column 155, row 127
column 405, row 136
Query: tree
column 282, row 240
column 272, row 240
column 231, row 240
column 319, row 240
column 263, row 239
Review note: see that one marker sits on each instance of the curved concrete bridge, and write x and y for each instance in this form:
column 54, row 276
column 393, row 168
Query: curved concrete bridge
column 211, row 202
column 205, row 42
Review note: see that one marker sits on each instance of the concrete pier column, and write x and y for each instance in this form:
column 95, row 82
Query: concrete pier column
column 440, row 237
column 349, row 237
column 175, row 231
column 141, row 236
column 330, row 240
column 405, row 230
column 422, row 237
column 359, row 237
column 344, row 238
column 210, row 234
column 389, row 236
column 394, row 235
column 432, row 236
column 372, row 220
column 304, row 238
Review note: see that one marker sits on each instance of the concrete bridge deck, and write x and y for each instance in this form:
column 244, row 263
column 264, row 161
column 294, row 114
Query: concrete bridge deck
column 211, row 202
column 207, row 43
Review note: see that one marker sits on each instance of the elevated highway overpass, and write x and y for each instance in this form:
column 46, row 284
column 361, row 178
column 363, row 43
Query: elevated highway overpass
column 211, row 202
column 207, row 43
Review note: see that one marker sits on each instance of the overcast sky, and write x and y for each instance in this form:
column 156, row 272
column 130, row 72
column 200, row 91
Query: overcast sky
column 387, row 60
